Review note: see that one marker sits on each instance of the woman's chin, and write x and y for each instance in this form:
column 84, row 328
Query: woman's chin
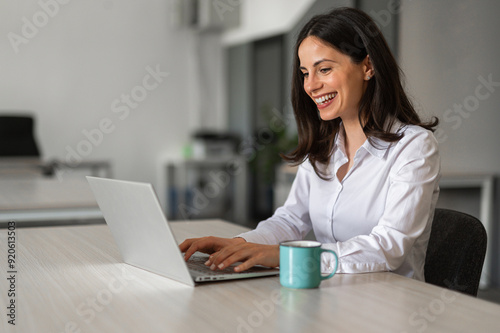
column 327, row 116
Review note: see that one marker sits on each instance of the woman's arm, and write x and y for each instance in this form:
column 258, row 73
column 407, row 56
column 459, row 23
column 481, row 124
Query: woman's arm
column 260, row 246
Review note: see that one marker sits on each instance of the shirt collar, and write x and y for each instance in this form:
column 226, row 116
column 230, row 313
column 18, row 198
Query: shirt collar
column 340, row 140
column 375, row 146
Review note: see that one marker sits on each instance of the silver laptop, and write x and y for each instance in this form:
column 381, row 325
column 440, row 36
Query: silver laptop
column 144, row 238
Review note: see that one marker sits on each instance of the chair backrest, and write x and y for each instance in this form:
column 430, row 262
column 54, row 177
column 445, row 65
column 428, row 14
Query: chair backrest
column 17, row 136
column 456, row 251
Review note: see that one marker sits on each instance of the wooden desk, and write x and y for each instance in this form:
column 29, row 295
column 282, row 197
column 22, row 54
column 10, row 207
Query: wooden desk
column 71, row 279
column 40, row 200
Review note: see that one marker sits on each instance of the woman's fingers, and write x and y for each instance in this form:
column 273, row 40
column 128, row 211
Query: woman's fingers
column 247, row 265
column 248, row 253
column 216, row 260
column 204, row 244
column 207, row 245
column 186, row 244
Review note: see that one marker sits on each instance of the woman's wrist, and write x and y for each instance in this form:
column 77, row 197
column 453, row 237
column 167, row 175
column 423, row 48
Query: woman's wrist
column 240, row 239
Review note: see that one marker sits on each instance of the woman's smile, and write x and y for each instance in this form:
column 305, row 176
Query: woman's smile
column 325, row 100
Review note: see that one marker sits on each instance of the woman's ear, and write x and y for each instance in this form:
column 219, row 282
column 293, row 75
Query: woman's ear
column 368, row 68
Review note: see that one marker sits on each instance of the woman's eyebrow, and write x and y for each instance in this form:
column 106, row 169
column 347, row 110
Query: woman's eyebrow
column 318, row 62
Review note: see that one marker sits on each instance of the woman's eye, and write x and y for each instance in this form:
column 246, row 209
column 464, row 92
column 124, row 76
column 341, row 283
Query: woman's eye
column 324, row 70
column 305, row 74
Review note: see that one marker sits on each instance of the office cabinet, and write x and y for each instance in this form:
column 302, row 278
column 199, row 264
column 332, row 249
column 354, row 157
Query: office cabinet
column 207, row 188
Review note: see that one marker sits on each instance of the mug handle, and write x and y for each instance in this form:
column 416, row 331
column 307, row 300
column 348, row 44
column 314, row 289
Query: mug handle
column 336, row 264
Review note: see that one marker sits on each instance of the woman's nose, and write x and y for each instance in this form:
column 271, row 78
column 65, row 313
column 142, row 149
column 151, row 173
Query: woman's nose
column 312, row 84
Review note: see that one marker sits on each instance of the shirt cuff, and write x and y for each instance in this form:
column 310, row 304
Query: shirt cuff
column 254, row 237
column 350, row 266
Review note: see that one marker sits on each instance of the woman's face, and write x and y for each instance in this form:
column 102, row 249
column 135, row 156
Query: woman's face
column 332, row 80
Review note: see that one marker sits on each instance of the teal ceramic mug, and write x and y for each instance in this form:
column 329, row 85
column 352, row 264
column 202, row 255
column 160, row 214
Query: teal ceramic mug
column 300, row 264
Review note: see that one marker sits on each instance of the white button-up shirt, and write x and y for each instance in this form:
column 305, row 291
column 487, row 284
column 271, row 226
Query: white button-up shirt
column 378, row 218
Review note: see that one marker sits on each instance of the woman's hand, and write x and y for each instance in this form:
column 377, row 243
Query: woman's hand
column 250, row 254
column 206, row 245
column 226, row 251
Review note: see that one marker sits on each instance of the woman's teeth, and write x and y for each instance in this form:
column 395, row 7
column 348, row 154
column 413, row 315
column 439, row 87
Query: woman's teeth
column 324, row 99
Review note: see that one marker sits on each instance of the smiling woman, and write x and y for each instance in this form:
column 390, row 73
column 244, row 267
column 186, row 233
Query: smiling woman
column 367, row 182
column 334, row 82
column 362, row 59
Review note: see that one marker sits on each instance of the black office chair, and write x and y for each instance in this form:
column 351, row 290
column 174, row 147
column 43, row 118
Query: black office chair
column 17, row 136
column 456, row 251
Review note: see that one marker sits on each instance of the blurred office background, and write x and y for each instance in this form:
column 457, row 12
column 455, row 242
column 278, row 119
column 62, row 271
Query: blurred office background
column 193, row 96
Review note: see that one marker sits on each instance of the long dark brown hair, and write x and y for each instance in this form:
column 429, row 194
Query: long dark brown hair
column 351, row 32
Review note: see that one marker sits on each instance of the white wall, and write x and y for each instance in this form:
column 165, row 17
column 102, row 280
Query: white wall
column 263, row 18
column 83, row 58
column 447, row 48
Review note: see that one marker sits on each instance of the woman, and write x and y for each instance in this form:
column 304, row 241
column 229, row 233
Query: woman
column 367, row 183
